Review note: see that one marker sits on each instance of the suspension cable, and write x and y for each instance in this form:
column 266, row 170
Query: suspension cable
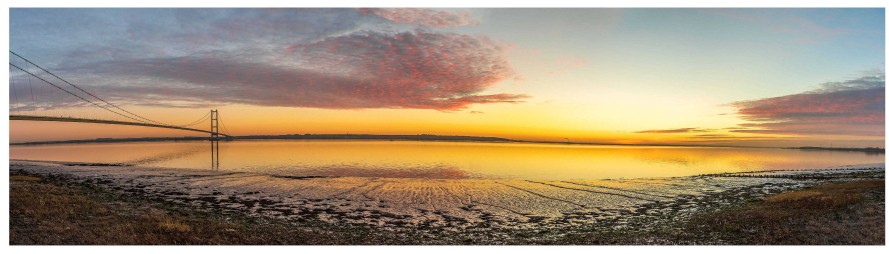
column 200, row 120
column 75, row 95
column 15, row 96
column 223, row 125
column 78, row 88
column 33, row 102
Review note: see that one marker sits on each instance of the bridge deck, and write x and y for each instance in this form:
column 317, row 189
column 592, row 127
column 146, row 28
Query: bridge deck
column 84, row 120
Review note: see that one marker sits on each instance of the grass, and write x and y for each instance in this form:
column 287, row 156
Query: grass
column 834, row 213
column 24, row 178
column 837, row 213
column 174, row 226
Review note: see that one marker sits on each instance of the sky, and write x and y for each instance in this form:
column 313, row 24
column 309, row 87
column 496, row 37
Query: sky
column 751, row 77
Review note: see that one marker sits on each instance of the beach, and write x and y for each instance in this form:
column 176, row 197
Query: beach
column 445, row 210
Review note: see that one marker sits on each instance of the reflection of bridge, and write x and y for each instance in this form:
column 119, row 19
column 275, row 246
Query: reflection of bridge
column 37, row 94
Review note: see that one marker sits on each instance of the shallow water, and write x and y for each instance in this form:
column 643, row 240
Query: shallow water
column 443, row 160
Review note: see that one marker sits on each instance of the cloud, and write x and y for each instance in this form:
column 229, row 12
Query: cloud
column 852, row 107
column 423, row 17
column 727, row 137
column 423, row 70
column 680, row 130
column 89, row 35
column 322, row 58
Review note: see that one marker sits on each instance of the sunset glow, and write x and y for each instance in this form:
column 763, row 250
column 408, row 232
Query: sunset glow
column 409, row 126
column 748, row 77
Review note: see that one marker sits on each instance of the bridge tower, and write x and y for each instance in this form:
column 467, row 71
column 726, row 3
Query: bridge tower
column 214, row 124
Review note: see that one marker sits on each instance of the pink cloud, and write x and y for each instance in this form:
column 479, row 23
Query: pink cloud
column 423, row 70
column 854, row 107
column 423, row 17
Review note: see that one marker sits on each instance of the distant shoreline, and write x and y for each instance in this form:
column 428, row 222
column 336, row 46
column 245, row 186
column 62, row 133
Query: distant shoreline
column 400, row 137
column 417, row 137
column 876, row 150
column 421, row 137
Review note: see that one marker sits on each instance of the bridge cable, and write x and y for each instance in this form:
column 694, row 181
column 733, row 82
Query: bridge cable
column 94, row 96
column 15, row 96
column 200, row 120
column 223, row 125
column 33, row 102
column 75, row 95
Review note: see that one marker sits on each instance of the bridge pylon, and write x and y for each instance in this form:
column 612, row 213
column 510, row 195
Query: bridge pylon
column 214, row 124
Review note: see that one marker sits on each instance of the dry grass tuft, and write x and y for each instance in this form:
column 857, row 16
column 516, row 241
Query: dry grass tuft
column 815, row 199
column 24, row 178
column 174, row 226
column 792, row 196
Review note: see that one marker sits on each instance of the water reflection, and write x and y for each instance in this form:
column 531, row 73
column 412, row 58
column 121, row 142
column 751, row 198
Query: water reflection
column 443, row 160
column 427, row 172
column 165, row 156
column 214, row 154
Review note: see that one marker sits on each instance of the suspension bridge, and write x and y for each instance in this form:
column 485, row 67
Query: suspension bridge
column 36, row 94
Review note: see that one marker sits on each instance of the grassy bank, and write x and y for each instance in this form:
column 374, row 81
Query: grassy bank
column 50, row 211
column 45, row 210
column 834, row 213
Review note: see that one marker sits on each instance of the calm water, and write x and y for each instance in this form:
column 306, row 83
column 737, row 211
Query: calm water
column 447, row 160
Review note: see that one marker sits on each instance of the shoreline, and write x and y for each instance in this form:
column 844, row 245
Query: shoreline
column 429, row 207
column 417, row 137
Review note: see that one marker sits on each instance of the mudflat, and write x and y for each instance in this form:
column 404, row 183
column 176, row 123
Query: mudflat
column 356, row 210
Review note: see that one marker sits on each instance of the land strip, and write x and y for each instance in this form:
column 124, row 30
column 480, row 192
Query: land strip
column 61, row 204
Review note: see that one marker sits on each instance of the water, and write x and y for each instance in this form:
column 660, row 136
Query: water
column 443, row 160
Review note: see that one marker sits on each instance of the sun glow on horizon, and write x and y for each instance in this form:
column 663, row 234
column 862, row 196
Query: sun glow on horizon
column 741, row 77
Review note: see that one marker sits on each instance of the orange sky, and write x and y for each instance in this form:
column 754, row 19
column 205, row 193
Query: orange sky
column 536, row 126
column 759, row 77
